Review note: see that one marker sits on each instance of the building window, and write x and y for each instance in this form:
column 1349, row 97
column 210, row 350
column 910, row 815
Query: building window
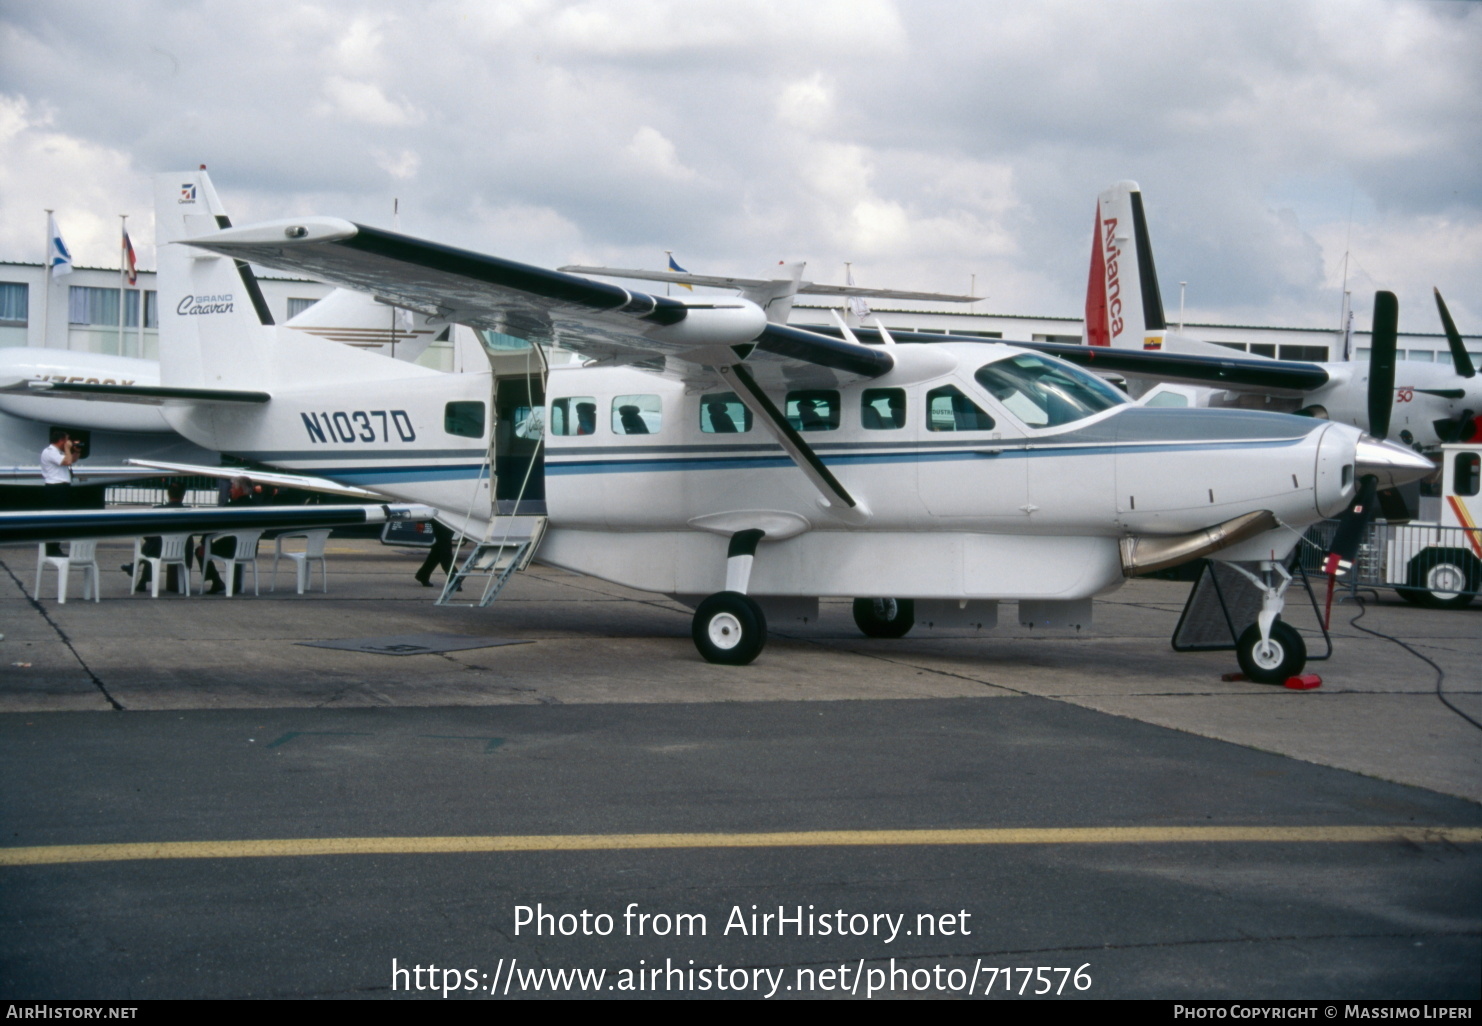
column 1311, row 354
column 1069, row 340
column 297, row 306
column 87, row 305
column 14, row 304
column 1263, row 349
column 151, row 308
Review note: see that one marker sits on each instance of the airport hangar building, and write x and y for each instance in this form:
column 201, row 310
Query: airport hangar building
column 81, row 312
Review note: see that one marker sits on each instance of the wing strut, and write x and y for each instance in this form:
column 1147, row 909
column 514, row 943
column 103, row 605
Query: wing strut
column 837, row 497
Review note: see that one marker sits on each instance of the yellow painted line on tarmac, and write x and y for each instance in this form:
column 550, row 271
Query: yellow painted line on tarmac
column 285, row 847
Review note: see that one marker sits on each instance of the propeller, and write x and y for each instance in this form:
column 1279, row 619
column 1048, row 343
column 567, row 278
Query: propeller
column 1459, row 357
column 1463, row 427
column 1346, row 540
column 1382, row 362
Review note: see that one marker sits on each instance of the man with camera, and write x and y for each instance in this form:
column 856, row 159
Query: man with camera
column 56, row 475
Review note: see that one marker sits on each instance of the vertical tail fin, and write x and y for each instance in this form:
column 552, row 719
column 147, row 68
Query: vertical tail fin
column 776, row 296
column 209, row 305
column 1124, row 308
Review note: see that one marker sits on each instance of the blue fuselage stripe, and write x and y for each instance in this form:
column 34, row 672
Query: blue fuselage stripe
column 986, row 450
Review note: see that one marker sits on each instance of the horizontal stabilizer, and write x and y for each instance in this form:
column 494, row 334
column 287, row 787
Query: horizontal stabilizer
column 148, row 395
column 63, row 525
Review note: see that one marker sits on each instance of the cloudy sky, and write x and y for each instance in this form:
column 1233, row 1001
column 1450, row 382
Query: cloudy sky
column 926, row 142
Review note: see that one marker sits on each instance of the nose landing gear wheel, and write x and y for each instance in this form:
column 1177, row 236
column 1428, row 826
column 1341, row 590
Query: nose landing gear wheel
column 729, row 628
column 884, row 617
column 1272, row 663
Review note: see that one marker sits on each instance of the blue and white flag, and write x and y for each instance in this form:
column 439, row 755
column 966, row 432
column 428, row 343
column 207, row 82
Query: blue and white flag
column 58, row 256
column 673, row 266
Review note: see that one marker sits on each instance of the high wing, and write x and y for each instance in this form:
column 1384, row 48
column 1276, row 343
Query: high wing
column 728, row 282
column 601, row 321
column 64, row 525
column 1276, row 377
column 299, row 482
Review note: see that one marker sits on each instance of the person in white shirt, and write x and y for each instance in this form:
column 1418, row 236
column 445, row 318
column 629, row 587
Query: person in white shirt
column 56, row 476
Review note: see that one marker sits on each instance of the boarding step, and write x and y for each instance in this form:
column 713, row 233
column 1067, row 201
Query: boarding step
column 505, row 550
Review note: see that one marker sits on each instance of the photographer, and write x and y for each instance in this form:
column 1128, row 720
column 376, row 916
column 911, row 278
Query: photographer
column 56, row 476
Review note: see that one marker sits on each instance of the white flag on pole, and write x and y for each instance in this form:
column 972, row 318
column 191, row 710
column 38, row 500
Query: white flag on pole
column 58, row 256
column 857, row 304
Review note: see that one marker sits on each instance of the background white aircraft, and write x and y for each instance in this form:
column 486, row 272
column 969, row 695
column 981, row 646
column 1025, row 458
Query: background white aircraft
column 740, row 465
column 115, row 433
column 1420, row 404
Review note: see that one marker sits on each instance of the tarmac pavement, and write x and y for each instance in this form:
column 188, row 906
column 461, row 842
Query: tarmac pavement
column 207, row 721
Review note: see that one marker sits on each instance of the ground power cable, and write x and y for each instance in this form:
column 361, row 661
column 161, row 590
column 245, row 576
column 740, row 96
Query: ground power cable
column 1440, row 673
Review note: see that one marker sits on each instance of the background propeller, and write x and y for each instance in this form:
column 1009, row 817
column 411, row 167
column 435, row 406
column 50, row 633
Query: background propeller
column 1382, row 349
column 1463, row 427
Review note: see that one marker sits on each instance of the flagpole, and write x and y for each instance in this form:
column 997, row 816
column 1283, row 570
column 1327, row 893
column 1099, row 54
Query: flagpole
column 123, row 259
column 46, row 279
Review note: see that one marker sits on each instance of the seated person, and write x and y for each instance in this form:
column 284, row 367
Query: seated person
column 241, row 494
column 174, row 499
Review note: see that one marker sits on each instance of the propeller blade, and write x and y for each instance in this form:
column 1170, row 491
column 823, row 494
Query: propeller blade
column 1382, row 362
column 1459, row 357
column 1351, row 527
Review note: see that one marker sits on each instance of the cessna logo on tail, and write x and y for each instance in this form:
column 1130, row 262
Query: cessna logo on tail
column 194, row 306
column 1113, row 283
column 187, row 193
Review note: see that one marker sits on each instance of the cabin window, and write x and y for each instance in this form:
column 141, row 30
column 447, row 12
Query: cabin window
column 1465, row 473
column 1046, row 393
column 637, row 415
column 948, row 409
column 882, row 409
column 575, row 415
column 813, row 409
column 721, row 413
column 465, row 419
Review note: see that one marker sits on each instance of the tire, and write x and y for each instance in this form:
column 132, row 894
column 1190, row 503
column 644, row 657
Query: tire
column 1444, row 578
column 1284, row 658
column 885, row 617
column 729, row 628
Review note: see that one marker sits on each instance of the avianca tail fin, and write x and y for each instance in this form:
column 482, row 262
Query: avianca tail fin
column 1124, row 308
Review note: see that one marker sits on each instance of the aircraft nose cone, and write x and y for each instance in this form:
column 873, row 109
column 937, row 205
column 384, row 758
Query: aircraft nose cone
column 1392, row 464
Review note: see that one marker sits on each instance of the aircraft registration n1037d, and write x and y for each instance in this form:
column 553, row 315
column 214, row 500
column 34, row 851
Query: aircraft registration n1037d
column 738, row 464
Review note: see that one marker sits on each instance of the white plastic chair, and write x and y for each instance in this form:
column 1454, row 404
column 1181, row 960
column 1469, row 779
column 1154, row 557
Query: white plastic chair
column 314, row 542
column 81, row 555
column 172, row 553
column 245, row 554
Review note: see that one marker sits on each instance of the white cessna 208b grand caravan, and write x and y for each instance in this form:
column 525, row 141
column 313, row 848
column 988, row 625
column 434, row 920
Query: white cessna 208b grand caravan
column 737, row 464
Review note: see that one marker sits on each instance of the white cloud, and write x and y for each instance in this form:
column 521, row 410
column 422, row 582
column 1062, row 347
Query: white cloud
column 364, row 102
column 653, row 153
column 86, row 184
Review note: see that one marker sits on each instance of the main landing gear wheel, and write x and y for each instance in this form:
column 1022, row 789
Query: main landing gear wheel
column 885, row 617
column 1272, row 663
column 729, row 628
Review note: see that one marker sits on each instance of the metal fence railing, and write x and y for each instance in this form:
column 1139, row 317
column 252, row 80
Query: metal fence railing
column 1429, row 564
